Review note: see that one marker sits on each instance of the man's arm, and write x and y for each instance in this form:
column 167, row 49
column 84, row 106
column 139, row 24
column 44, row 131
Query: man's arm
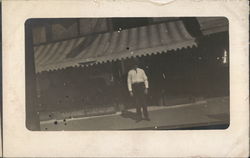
column 129, row 80
column 145, row 78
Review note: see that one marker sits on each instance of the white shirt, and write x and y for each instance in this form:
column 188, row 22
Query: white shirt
column 137, row 76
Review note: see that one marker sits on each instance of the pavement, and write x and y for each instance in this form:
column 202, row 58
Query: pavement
column 210, row 112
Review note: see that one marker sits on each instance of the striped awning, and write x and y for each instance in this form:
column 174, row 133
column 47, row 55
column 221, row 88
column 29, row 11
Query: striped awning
column 211, row 25
column 112, row 46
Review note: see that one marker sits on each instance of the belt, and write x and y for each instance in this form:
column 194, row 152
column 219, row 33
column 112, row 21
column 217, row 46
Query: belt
column 138, row 83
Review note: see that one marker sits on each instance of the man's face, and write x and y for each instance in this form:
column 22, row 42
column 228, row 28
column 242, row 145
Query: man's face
column 135, row 66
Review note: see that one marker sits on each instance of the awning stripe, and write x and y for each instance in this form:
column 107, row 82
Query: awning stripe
column 56, row 53
column 132, row 38
column 48, row 57
column 113, row 46
column 154, row 34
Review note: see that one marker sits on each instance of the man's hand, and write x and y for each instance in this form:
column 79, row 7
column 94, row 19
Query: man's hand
column 146, row 91
column 131, row 93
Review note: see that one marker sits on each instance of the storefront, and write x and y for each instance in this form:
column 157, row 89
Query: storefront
column 214, row 46
column 89, row 72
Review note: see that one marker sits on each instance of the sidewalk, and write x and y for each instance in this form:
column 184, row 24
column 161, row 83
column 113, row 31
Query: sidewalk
column 213, row 111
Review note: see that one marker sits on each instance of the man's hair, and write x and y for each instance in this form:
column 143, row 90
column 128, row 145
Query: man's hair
column 135, row 61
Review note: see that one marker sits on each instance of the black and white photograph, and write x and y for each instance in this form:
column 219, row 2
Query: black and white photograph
column 125, row 78
column 127, row 73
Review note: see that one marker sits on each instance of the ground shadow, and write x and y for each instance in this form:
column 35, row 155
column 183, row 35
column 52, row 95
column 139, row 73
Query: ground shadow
column 129, row 114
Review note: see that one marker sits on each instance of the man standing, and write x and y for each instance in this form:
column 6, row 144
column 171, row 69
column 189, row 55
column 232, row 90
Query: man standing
column 138, row 88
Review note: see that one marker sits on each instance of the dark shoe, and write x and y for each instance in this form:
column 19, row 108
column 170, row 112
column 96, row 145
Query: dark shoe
column 138, row 119
column 147, row 119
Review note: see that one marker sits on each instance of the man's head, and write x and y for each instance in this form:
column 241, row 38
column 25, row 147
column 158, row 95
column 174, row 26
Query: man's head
column 135, row 63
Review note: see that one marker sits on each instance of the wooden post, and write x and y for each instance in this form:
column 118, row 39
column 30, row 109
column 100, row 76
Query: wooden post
column 32, row 116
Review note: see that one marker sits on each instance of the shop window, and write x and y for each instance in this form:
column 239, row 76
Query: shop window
column 92, row 25
column 39, row 35
column 47, row 30
column 164, row 19
column 64, row 29
column 126, row 23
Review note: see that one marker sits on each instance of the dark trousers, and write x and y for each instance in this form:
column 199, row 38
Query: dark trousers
column 140, row 99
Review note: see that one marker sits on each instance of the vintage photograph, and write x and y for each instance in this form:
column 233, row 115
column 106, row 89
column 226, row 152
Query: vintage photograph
column 127, row 73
